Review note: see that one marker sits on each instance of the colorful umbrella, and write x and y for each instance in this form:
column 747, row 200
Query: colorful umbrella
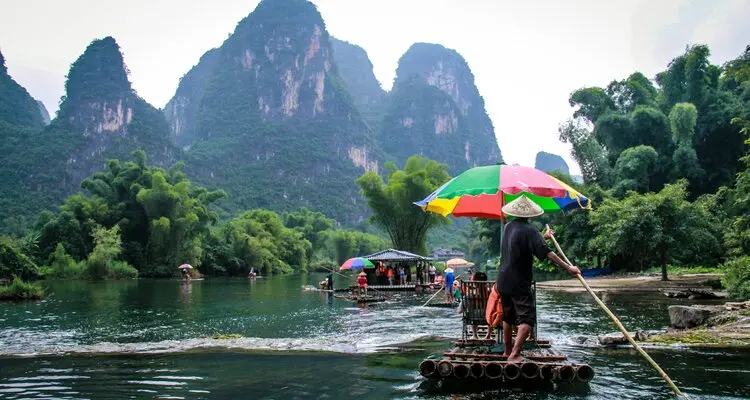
column 356, row 263
column 481, row 192
column 185, row 266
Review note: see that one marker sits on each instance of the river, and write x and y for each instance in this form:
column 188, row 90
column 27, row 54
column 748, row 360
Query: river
column 267, row 338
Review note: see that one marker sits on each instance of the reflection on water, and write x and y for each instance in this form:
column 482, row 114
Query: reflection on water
column 171, row 334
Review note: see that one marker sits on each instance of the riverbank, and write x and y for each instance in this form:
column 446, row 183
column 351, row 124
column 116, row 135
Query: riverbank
column 701, row 326
column 725, row 325
column 642, row 283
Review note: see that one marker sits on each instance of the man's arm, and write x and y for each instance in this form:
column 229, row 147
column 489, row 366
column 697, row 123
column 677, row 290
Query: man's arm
column 570, row 268
column 548, row 233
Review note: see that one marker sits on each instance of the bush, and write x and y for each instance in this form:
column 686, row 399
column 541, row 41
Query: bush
column 20, row 290
column 121, row 270
column 13, row 261
column 737, row 277
column 63, row 266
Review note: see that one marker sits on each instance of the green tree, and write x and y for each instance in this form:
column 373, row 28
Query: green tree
column 256, row 239
column 311, row 224
column 163, row 218
column 629, row 93
column 656, row 228
column 587, row 151
column 634, row 167
column 107, row 246
column 737, row 236
column 14, row 262
column 392, row 202
column 682, row 121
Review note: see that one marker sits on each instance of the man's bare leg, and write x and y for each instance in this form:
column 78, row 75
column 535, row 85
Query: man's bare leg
column 507, row 338
column 523, row 333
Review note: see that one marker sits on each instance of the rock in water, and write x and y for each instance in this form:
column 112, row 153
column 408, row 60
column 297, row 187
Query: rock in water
column 688, row 316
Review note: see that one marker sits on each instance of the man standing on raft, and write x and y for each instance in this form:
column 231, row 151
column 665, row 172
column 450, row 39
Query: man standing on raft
column 520, row 243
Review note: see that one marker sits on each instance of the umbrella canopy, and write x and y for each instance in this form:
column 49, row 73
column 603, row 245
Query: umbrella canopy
column 481, row 192
column 185, row 266
column 456, row 261
column 356, row 263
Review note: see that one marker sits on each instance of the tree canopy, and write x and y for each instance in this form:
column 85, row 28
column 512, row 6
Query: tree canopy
column 391, row 201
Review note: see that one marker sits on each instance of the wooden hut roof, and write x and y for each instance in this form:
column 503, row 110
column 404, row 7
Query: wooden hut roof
column 396, row 255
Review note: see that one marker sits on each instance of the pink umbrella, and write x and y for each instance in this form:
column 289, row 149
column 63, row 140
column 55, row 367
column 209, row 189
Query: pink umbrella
column 185, row 266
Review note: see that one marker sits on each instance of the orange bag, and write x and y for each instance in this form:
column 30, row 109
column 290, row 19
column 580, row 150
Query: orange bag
column 494, row 312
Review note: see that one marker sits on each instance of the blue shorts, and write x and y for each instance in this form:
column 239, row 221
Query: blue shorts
column 449, row 289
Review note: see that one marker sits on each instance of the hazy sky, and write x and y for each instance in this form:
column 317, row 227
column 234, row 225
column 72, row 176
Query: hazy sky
column 526, row 56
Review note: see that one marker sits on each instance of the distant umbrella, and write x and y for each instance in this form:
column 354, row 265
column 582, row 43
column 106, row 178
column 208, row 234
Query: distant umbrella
column 453, row 262
column 185, row 266
column 356, row 263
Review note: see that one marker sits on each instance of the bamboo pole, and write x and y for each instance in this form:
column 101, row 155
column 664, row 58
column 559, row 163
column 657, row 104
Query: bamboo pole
column 620, row 326
column 433, row 296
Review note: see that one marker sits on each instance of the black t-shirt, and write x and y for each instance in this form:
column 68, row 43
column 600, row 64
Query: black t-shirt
column 521, row 242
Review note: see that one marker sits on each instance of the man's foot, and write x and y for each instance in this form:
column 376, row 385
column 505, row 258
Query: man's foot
column 516, row 359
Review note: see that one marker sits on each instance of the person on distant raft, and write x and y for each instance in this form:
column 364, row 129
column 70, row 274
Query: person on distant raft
column 457, row 288
column 401, row 275
column 449, row 278
column 431, row 272
column 362, row 283
column 329, row 281
column 389, row 273
column 520, row 243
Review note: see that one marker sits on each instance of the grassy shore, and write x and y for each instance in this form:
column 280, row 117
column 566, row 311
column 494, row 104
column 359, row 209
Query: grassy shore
column 19, row 290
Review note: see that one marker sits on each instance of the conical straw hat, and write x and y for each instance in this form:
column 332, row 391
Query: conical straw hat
column 363, row 273
column 522, row 207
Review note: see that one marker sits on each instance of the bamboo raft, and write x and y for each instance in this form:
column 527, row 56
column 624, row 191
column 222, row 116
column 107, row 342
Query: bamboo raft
column 442, row 305
column 482, row 360
column 468, row 362
column 362, row 299
column 421, row 287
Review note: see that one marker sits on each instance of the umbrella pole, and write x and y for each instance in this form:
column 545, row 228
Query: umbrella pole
column 620, row 326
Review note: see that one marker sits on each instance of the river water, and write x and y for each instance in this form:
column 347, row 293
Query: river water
column 267, row 338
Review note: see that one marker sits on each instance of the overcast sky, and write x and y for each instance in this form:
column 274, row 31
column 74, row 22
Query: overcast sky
column 527, row 56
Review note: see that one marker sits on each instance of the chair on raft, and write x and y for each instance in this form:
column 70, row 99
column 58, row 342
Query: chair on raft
column 474, row 297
